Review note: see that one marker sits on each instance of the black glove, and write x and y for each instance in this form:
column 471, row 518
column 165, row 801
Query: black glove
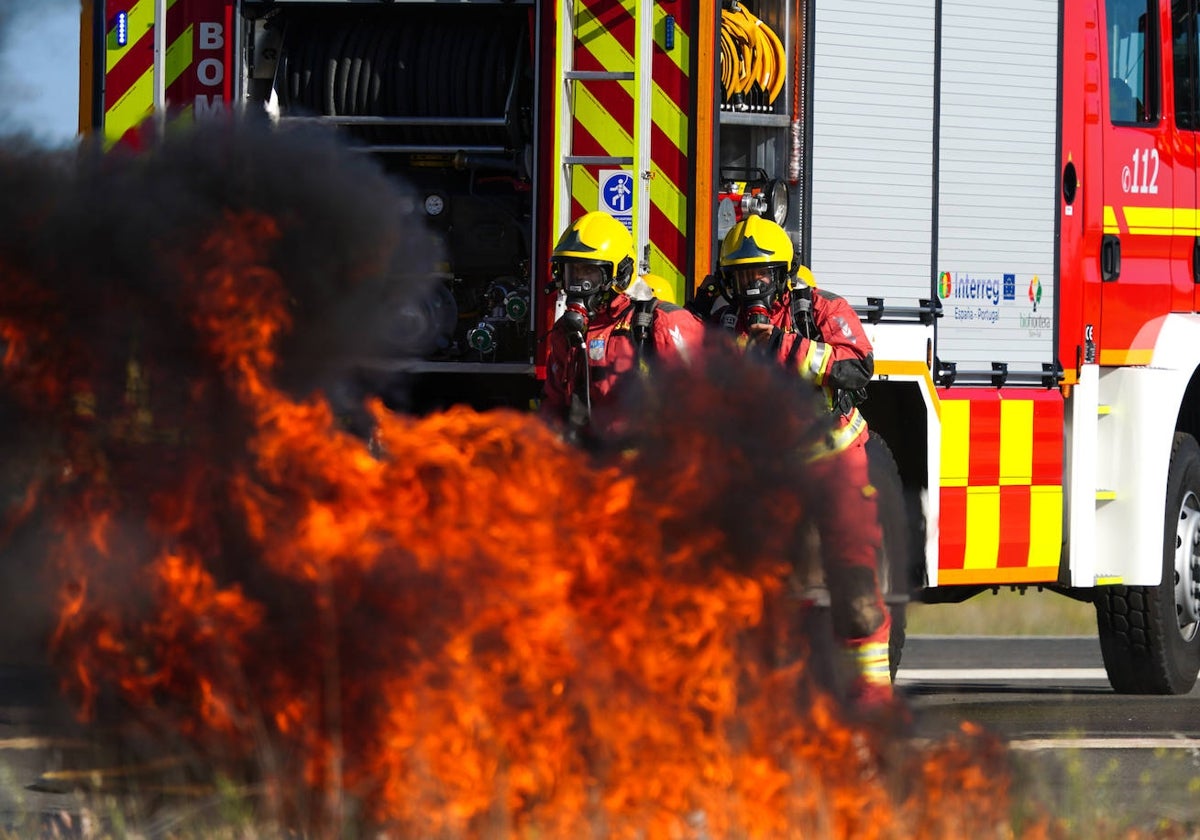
column 707, row 300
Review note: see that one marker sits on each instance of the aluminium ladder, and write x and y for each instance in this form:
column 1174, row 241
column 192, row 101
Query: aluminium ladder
column 567, row 80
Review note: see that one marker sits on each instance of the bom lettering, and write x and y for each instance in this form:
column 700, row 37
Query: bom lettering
column 210, row 70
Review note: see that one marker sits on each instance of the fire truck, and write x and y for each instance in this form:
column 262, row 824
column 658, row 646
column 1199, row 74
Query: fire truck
column 1007, row 192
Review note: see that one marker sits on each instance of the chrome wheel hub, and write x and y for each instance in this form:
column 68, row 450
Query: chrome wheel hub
column 1187, row 566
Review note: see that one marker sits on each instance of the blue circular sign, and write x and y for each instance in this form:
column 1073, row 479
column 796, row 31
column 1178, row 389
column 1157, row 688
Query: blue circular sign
column 618, row 192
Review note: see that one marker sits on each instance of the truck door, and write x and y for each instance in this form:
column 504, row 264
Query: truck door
column 1139, row 162
column 1185, row 64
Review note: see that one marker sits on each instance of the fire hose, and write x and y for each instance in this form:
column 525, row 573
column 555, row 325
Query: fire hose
column 753, row 61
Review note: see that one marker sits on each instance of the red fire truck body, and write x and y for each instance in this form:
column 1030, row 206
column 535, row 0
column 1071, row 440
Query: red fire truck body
column 1006, row 192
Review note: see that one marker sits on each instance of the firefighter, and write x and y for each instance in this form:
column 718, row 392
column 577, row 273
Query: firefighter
column 611, row 327
column 773, row 306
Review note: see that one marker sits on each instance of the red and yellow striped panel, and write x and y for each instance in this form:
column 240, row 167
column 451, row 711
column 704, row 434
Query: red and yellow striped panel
column 605, row 37
column 199, row 52
column 1001, row 486
column 128, row 71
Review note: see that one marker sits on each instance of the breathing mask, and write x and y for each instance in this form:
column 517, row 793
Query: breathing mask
column 593, row 256
column 585, row 286
column 754, row 288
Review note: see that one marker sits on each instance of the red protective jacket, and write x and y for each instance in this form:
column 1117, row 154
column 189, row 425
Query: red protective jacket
column 676, row 338
column 840, row 360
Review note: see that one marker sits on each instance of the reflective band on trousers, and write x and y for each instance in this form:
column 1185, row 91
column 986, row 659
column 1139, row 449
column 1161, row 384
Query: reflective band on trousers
column 870, row 660
column 841, row 438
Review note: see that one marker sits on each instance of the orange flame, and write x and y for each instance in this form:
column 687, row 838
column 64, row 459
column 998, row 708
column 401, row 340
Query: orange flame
column 483, row 631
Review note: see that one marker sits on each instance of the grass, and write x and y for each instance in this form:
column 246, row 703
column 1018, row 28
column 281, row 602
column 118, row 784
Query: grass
column 1005, row 613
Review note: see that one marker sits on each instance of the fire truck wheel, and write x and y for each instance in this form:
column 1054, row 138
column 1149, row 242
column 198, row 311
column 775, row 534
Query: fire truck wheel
column 894, row 557
column 1150, row 635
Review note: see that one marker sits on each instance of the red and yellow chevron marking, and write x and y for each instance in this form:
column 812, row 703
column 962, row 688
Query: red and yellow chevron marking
column 1001, row 486
column 604, row 118
column 199, row 50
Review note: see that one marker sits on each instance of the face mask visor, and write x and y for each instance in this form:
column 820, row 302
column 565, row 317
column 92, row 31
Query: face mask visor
column 582, row 279
column 754, row 283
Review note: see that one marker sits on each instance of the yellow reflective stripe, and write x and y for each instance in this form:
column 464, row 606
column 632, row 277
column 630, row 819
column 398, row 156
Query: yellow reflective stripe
column 591, row 32
column 1045, row 525
column 1016, row 442
column 956, row 442
column 179, row 57
column 657, row 260
column 139, row 20
column 870, row 660
column 131, row 109
column 667, row 198
column 1185, row 220
column 669, row 118
column 826, row 361
column 137, row 103
column 600, row 123
column 1110, row 220
column 1154, row 221
column 585, row 189
column 1151, row 221
column 613, row 56
column 590, row 115
column 983, row 527
column 814, row 362
column 683, row 43
column 841, row 438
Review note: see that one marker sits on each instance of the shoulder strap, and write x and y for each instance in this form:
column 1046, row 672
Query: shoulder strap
column 802, row 314
column 641, row 324
column 803, row 323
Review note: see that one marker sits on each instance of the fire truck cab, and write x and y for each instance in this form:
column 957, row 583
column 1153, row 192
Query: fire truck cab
column 1007, row 192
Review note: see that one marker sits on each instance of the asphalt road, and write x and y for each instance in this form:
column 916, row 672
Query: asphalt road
column 1075, row 744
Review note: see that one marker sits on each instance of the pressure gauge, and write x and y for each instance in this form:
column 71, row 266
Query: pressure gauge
column 434, row 204
column 777, row 206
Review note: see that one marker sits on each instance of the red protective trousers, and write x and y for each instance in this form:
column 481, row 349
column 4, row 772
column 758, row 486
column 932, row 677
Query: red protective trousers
column 847, row 517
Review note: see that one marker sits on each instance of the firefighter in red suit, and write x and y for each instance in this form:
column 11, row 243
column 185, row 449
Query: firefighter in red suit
column 611, row 327
column 775, row 308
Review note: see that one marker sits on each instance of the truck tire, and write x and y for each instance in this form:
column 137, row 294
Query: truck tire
column 1150, row 635
column 893, row 568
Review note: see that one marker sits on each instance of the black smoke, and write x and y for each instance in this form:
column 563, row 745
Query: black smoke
column 96, row 251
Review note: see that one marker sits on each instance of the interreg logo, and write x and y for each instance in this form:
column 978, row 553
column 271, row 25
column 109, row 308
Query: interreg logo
column 945, row 288
column 963, row 286
column 1035, row 292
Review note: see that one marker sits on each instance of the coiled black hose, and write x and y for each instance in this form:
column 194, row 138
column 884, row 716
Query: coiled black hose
column 417, row 63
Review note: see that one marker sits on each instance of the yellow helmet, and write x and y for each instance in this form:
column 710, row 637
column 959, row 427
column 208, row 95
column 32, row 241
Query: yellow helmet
column 651, row 286
column 757, row 241
column 594, row 239
column 757, row 258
